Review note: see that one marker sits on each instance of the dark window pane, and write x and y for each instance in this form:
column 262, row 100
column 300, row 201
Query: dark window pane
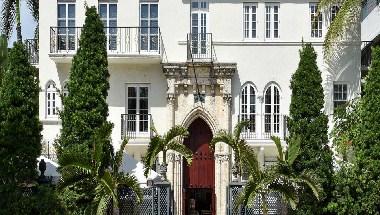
column 132, row 92
column 143, row 103
column 153, row 11
column 71, row 10
column 144, row 11
column 61, row 10
column 113, row 10
column 131, row 103
column 103, row 10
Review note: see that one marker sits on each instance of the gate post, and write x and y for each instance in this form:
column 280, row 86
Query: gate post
column 164, row 199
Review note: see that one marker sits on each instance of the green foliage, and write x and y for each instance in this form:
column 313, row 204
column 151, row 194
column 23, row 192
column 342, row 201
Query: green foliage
column 42, row 201
column 308, row 123
column 85, row 108
column 20, row 128
column 346, row 19
column 172, row 140
column 281, row 178
column 77, row 169
column 3, row 55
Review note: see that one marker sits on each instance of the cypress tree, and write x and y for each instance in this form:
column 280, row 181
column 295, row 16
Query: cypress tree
column 307, row 121
column 85, row 108
column 20, row 128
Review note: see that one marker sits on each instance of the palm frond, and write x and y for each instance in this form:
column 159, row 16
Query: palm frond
column 280, row 151
column 131, row 182
column 108, row 183
column 119, row 155
column 155, row 146
column 248, row 160
column 293, row 150
column 249, row 193
column 175, row 132
column 71, row 177
column 224, row 137
column 310, row 180
column 239, row 127
column 72, row 159
column 34, row 8
column 288, row 192
column 8, row 17
column 103, row 205
column 182, row 149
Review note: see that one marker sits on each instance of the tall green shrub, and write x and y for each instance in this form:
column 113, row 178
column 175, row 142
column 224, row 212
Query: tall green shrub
column 85, row 108
column 20, row 128
column 309, row 123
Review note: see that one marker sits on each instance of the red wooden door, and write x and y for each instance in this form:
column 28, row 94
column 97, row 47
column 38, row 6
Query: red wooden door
column 199, row 178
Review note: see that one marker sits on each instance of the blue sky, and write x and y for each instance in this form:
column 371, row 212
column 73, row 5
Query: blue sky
column 27, row 23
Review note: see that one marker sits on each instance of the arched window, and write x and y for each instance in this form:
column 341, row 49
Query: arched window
column 51, row 99
column 272, row 110
column 248, row 107
column 65, row 90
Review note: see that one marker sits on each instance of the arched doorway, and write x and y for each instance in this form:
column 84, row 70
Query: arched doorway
column 199, row 178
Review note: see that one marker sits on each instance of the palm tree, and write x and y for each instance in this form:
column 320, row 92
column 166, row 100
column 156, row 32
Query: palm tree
column 349, row 13
column 243, row 152
column 78, row 168
column 279, row 178
column 10, row 15
column 172, row 140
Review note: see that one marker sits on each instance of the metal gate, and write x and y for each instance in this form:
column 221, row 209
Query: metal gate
column 156, row 201
column 275, row 204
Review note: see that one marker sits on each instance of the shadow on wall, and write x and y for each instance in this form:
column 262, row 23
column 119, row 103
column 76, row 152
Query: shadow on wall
column 344, row 66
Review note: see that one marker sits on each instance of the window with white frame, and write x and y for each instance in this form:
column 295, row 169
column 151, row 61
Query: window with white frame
column 108, row 15
column 340, row 94
column 137, row 108
column 66, row 26
column 250, row 20
column 149, row 26
column 315, row 21
column 248, row 107
column 272, row 110
column 333, row 12
column 51, row 94
column 272, row 20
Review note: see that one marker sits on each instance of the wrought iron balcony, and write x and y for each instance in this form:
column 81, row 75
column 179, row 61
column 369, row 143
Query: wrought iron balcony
column 263, row 126
column 32, row 49
column 135, row 126
column 120, row 40
column 199, row 47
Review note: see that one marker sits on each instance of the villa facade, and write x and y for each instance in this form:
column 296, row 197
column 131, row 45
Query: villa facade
column 203, row 64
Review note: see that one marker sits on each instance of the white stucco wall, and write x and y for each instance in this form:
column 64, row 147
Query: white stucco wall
column 370, row 24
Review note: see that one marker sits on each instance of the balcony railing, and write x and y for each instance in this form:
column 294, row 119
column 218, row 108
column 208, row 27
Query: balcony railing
column 120, row 40
column 263, row 126
column 32, row 49
column 199, row 46
column 135, row 126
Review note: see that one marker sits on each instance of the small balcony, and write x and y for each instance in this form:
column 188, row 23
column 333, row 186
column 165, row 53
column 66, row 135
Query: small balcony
column 263, row 126
column 31, row 46
column 123, row 43
column 136, row 126
column 199, row 47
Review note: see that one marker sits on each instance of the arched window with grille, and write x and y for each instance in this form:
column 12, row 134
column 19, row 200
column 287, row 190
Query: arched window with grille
column 248, row 107
column 51, row 99
column 272, row 111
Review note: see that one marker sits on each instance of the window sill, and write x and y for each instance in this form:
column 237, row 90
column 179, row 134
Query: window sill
column 51, row 121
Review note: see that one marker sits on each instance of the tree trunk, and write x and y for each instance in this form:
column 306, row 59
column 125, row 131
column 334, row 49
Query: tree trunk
column 18, row 21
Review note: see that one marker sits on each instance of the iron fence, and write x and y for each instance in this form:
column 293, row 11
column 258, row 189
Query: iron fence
column 199, row 46
column 274, row 201
column 136, row 126
column 32, row 50
column 120, row 40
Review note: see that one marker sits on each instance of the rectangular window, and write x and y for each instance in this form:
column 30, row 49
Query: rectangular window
column 250, row 20
column 316, row 21
column 108, row 15
column 333, row 12
column 272, row 20
column 138, row 118
column 66, row 26
column 149, row 27
column 340, row 94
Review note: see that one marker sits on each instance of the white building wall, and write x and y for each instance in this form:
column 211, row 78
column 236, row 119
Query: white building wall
column 370, row 24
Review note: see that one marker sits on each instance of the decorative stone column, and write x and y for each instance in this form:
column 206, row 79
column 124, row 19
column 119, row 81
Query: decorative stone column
column 222, row 174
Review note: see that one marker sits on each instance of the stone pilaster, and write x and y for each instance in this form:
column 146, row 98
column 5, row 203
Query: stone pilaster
column 222, row 175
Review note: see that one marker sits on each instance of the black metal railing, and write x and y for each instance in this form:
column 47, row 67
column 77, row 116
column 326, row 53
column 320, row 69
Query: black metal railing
column 263, row 126
column 199, row 46
column 120, row 40
column 136, row 126
column 32, row 49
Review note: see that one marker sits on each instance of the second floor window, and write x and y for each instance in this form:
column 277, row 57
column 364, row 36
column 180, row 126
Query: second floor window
column 51, row 100
column 66, row 26
column 149, row 27
column 108, row 15
column 138, row 108
column 250, row 20
column 333, row 12
column 316, row 21
column 271, row 21
column 248, row 107
column 340, row 94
